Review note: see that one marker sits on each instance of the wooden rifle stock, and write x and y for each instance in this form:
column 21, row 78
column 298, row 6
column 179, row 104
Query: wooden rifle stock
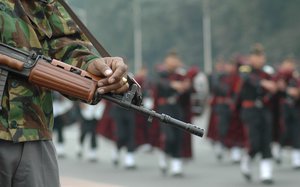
column 49, row 73
column 66, row 79
column 13, row 63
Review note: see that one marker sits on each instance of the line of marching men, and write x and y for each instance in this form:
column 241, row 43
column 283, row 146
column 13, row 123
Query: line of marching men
column 171, row 93
column 252, row 106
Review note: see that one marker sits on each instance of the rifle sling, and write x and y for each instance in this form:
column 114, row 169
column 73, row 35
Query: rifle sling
column 3, row 78
column 101, row 50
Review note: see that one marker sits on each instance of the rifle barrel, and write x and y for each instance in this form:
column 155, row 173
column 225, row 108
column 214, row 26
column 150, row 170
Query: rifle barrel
column 193, row 129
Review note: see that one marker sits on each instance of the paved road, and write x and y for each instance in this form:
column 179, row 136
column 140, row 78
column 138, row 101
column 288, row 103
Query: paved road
column 203, row 170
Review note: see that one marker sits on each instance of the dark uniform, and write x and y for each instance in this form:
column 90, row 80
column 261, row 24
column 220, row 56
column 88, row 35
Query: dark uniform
column 227, row 127
column 167, row 104
column 212, row 124
column 290, row 110
column 125, row 126
column 257, row 118
column 125, row 134
column 256, row 113
column 142, row 125
column 224, row 93
column 171, row 84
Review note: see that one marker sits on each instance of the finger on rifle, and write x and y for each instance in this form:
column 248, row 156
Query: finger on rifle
column 100, row 68
column 111, row 87
column 120, row 68
column 105, row 81
column 123, row 89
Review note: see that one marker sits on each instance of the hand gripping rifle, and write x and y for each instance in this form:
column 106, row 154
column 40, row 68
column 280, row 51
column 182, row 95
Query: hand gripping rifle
column 77, row 83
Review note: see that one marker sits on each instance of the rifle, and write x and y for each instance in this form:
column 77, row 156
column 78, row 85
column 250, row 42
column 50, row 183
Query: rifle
column 79, row 84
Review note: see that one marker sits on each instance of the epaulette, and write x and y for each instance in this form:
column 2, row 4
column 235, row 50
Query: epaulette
column 245, row 69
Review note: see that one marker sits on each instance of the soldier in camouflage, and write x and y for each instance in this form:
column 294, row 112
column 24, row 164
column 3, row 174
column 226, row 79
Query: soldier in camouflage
column 27, row 156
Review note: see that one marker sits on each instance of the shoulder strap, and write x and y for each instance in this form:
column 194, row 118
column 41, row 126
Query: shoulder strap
column 101, row 50
column 3, row 77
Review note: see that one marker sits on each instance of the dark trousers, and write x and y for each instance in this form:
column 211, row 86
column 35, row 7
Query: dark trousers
column 173, row 140
column 173, row 136
column 58, row 127
column 29, row 164
column 89, row 127
column 291, row 131
column 224, row 116
column 125, row 132
column 258, row 123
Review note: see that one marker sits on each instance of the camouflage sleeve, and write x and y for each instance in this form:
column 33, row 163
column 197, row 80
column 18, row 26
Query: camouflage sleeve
column 68, row 43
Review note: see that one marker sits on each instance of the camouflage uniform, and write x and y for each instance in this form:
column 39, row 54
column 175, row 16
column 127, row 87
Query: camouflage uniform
column 46, row 28
column 26, row 117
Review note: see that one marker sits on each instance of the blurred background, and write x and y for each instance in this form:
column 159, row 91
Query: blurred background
column 167, row 24
column 200, row 37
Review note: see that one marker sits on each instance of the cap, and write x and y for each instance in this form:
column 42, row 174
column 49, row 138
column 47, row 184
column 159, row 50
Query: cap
column 257, row 49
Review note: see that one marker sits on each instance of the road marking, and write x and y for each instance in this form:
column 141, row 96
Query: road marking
column 71, row 182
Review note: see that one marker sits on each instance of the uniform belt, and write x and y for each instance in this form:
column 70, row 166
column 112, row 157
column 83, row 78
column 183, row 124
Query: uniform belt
column 288, row 101
column 168, row 100
column 252, row 103
column 223, row 100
